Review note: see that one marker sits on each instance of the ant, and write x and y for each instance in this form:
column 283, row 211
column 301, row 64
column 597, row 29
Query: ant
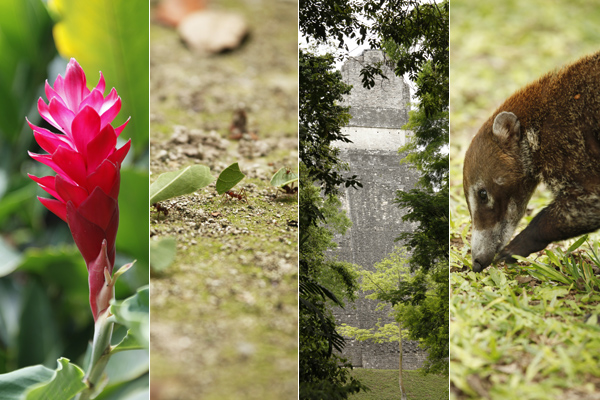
column 161, row 209
column 241, row 195
column 288, row 189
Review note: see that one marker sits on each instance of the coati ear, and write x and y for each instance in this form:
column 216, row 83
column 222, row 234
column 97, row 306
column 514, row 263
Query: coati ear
column 506, row 125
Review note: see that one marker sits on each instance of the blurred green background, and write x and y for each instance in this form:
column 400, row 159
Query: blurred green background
column 497, row 47
column 44, row 309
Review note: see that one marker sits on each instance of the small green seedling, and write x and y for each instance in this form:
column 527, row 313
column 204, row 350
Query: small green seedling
column 284, row 180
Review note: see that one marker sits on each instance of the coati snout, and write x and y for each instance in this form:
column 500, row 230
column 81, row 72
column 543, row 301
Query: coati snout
column 549, row 132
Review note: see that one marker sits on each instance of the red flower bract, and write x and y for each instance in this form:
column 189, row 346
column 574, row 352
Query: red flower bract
column 87, row 165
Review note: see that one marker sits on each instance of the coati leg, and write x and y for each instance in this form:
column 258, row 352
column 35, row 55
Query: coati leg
column 566, row 217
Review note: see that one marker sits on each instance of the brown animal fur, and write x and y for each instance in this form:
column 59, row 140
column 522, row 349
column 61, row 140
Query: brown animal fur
column 549, row 131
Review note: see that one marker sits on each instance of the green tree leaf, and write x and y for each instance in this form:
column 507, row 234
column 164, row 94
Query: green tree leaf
column 283, row 177
column 111, row 36
column 177, row 183
column 229, row 177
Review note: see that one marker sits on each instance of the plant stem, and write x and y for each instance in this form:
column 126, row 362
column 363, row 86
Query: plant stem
column 100, row 354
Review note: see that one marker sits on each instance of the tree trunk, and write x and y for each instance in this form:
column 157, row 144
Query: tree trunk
column 402, row 392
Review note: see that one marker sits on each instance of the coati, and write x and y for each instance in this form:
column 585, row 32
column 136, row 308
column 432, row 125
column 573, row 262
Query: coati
column 548, row 131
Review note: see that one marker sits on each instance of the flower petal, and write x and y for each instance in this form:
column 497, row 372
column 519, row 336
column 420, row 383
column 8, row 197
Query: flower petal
column 101, row 147
column 47, row 183
column 70, row 192
column 85, row 127
column 50, row 92
column 46, row 159
column 74, row 85
column 49, row 141
column 61, row 115
column 101, row 86
column 111, row 112
column 118, row 156
column 87, row 236
column 98, row 208
column 45, row 113
column 55, row 206
column 120, row 128
column 59, row 86
column 95, row 100
column 71, row 163
column 107, row 178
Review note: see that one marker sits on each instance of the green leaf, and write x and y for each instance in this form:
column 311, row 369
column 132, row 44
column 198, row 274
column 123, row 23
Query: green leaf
column 229, row 177
column 578, row 243
column 111, row 36
column 126, row 366
column 177, row 183
column 137, row 389
column 129, row 342
column 283, row 177
column 162, row 253
column 41, row 383
column 13, row 385
column 66, row 383
column 133, row 313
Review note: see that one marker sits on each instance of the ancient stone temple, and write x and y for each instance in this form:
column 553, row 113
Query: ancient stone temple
column 376, row 132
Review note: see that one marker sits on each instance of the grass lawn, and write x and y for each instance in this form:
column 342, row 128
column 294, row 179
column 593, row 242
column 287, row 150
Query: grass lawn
column 384, row 385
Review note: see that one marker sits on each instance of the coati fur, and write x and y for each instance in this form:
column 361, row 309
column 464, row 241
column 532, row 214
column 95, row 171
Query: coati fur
column 548, row 131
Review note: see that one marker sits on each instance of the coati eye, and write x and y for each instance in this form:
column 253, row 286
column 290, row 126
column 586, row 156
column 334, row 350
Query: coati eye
column 482, row 194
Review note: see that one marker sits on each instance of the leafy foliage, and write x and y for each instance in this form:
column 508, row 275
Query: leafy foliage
column 425, row 316
column 419, row 34
column 415, row 36
column 321, row 119
column 322, row 20
column 429, row 240
column 323, row 374
column 419, row 302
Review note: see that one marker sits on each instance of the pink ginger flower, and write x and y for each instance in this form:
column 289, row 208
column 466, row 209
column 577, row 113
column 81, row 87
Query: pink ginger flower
column 87, row 165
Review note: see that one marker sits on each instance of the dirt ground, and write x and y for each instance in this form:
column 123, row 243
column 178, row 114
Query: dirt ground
column 224, row 316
